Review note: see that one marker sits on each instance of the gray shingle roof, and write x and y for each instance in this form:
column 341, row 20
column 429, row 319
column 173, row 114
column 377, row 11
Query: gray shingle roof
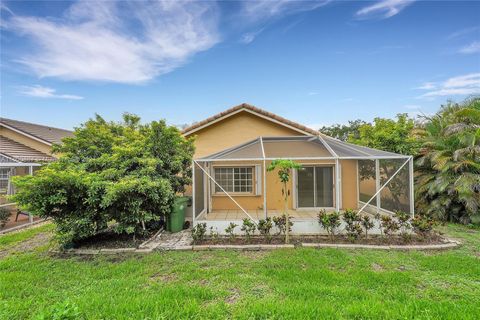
column 48, row 134
column 21, row 152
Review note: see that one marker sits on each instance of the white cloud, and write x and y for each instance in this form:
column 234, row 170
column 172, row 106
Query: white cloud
column 124, row 41
column 265, row 9
column 250, row 36
column 427, row 86
column 45, row 92
column 383, row 9
column 462, row 32
column 473, row 47
column 461, row 85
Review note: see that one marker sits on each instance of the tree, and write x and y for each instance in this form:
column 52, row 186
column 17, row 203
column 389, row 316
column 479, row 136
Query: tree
column 396, row 136
column 344, row 132
column 284, row 168
column 122, row 173
column 448, row 165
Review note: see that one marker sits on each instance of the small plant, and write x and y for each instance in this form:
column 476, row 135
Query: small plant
column 4, row 216
column 198, row 232
column 249, row 228
column 280, row 224
column 214, row 234
column 264, row 227
column 367, row 224
column 230, row 231
column 388, row 225
column 329, row 221
column 284, row 168
column 352, row 221
column 404, row 224
column 423, row 226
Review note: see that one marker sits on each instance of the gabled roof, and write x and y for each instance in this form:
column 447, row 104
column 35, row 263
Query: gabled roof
column 20, row 152
column 44, row 134
column 251, row 109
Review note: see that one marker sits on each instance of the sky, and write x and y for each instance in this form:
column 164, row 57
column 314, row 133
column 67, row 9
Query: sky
column 317, row 62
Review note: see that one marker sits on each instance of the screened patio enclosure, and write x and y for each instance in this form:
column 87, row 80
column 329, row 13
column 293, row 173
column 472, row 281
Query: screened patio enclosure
column 234, row 184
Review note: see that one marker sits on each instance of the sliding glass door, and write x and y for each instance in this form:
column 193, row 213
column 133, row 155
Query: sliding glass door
column 315, row 187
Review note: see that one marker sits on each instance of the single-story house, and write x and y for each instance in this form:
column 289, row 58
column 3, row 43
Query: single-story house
column 230, row 179
column 24, row 147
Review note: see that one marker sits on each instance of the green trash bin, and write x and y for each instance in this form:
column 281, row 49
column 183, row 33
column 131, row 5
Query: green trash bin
column 176, row 220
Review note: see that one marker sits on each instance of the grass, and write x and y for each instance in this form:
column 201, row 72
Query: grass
column 301, row 283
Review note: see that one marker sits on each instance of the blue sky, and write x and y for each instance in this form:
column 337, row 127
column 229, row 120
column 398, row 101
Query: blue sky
column 317, row 63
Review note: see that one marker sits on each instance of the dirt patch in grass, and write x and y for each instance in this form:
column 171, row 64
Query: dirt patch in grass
column 233, row 297
column 111, row 240
column 162, row 277
column 31, row 244
column 377, row 267
column 338, row 239
column 254, row 254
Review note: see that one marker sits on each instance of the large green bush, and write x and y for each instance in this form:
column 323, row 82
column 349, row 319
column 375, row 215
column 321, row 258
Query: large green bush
column 124, row 174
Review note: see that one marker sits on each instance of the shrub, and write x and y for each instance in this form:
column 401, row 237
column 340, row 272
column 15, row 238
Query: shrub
column 230, row 231
column 352, row 221
column 280, row 224
column 367, row 224
column 125, row 173
column 214, row 234
column 329, row 221
column 388, row 225
column 4, row 216
column 403, row 219
column 198, row 232
column 423, row 225
column 264, row 227
column 249, row 228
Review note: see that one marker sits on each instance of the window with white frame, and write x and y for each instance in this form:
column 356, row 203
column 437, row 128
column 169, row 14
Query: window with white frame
column 4, row 176
column 234, row 179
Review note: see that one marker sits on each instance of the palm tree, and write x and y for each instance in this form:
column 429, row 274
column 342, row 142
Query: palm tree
column 448, row 173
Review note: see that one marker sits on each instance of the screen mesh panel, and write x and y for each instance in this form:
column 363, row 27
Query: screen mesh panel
column 396, row 194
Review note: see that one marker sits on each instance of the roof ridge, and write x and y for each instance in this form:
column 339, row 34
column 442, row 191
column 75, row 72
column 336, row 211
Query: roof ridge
column 252, row 108
column 34, row 124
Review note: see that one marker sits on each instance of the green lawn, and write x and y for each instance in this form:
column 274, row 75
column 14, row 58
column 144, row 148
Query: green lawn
column 303, row 283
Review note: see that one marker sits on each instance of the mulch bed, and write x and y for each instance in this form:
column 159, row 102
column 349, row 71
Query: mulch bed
column 111, row 240
column 339, row 239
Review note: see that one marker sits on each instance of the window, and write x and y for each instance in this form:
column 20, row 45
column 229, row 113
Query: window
column 234, row 179
column 4, row 176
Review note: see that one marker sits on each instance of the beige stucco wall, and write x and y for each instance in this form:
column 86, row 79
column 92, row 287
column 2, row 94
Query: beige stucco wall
column 235, row 130
column 15, row 136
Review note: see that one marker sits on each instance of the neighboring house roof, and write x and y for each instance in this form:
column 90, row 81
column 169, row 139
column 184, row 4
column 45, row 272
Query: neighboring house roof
column 45, row 134
column 20, row 152
column 251, row 109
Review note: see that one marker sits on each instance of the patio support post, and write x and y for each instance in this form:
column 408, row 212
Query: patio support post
column 265, row 188
column 412, row 191
column 30, row 172
column 337, row 185
column 264, row 179
column 377, row 183
column 193, row 193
